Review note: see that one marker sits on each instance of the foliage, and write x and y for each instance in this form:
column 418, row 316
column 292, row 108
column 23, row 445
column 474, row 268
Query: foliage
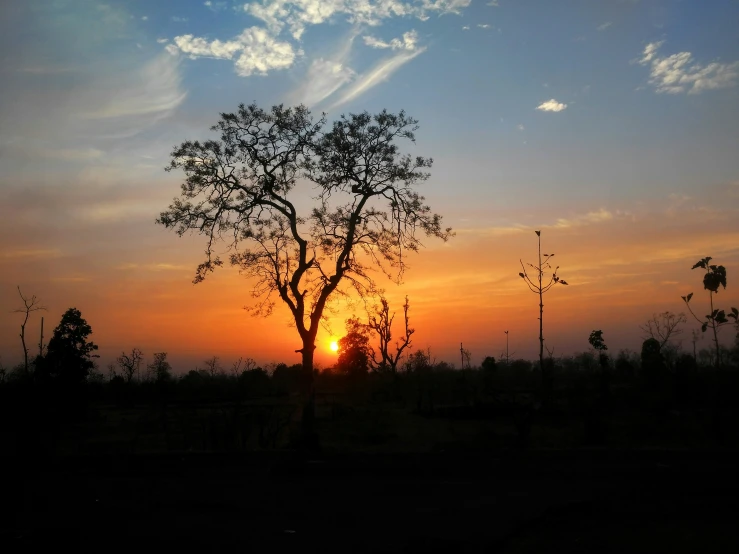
column 69, row 355
column 160, row 369
column 714, row 277
column 239, row 189
column 596, row 341
column 354, row 349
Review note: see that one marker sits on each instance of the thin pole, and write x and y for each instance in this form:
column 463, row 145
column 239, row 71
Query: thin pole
column 41, row 342
column 461, row 353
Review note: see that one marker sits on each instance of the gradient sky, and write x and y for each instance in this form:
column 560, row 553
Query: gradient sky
column 610, row 125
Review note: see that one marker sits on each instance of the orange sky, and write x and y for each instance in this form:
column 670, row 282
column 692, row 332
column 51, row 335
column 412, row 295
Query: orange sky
column 622, row 265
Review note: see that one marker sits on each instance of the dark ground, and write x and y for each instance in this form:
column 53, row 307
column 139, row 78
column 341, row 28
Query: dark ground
column 575, row 501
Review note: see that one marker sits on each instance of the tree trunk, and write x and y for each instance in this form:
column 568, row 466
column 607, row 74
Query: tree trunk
column 308, row 436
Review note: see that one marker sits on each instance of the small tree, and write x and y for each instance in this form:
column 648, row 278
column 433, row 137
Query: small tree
column 160, row 369
column 69, row 354
column 381, row 322
column 354, row 349
column 663, row 327
column 29, row 305
column 596, row 341
column 130, row 363
column 714, row 278
column 538, row 285
column 213, row 366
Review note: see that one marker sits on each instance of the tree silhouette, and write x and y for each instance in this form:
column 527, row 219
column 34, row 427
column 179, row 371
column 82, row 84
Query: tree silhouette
column 714, row 278
column 130, row 363
column 241, row 189
column 69, row 354
column 536, row 285
column 663, row 326
column 381, row 322
column 354, row 349
column 29, row 305
column 160, row 369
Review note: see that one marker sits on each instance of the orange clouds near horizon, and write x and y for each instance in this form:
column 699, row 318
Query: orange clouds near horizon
column 622, row 267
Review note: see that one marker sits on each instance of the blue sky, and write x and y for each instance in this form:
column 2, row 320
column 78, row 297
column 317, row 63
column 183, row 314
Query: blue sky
column 606, row 120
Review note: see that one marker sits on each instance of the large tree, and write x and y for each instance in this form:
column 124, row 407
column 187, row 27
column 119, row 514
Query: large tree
column 69, row 355
column 244, row 188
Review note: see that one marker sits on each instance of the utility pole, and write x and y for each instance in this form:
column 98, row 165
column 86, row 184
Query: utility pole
column 506, row 348
column 461, row 353
column 41, row 342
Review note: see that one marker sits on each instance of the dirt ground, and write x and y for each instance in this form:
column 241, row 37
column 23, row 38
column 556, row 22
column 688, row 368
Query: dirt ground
column 585, row 501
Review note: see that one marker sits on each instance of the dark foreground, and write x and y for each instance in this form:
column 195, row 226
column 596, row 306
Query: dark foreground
column 591, row 501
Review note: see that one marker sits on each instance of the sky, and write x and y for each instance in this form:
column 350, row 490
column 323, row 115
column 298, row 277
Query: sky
column 611, row 126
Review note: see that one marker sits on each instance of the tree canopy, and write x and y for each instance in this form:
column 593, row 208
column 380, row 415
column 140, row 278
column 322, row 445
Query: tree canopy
column 239, row 189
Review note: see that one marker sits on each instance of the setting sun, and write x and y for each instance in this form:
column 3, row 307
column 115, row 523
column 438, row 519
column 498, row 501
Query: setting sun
column 334, row 346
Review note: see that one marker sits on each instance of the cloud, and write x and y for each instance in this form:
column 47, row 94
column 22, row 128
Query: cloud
column 29, row 253
column 323, row 79
column 520, row 127
column 493, row 3
column 145, row 18
column 298, row 14
column 466, row 28
column 162, row 40
column 483, row 26
column 178, row 19
column 152, row 92
column 589, row 218
column 379, row 73
column 409, row 41
column 680, row 73
column 551, row 106
column 258, row 51
column 604, row 26
column 215, row 6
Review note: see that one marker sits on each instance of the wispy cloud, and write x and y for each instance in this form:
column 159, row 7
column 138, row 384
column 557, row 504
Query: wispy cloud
column 520, row 127
column 466, row 28
column 680, row 73
column 258, row 51
column 379, row 73
column 409, row 41
column 325, row 76
column 215, row 6
column 604, row 26
column 483, row 26
column 178, row 19
column 551, row 105
column 493, row 3
column 152, row 92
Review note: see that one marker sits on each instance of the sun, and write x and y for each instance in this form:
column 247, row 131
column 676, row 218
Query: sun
column 334, row 346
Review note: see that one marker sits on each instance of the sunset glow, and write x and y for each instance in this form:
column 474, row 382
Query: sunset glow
column 569, row 117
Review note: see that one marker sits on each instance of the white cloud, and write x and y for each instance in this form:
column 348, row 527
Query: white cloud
column 483, row 26
column 466, row 28
column 679, row 72
column 258, row 51
column 215, row 6
column 409, row 41
column 298, row 14
column 178, row 19
column 551, row 106
column 145, row 18
column 520, row 127
column 377, row 74
column 494, row 3
column 590, row 218
column 151, row 93
column 604, row 26
column 162, row 40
